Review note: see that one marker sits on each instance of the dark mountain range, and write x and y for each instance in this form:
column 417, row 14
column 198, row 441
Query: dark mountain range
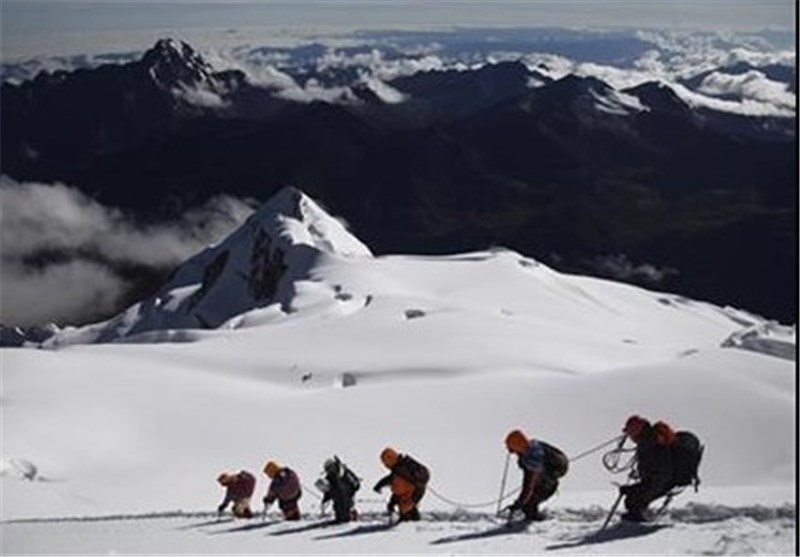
column 571, row 171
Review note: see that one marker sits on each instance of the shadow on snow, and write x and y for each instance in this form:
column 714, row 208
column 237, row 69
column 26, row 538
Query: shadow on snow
column 365, row 529
column 618, row 531
column 306, row 528
column 246, row 527
column 500, row 530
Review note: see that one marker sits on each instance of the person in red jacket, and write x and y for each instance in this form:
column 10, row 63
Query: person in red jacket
column 239, row 489
column 285, row 488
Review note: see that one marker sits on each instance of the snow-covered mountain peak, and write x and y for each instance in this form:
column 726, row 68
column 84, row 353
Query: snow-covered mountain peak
column 293, row 218
column 176, row 68
column 255, row 266
column 173, row 55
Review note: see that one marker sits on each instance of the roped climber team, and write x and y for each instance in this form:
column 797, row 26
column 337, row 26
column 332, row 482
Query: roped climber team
column 663, row 463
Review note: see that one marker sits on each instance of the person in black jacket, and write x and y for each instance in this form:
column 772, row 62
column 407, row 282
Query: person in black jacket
column 339, row 484
column 653, row 469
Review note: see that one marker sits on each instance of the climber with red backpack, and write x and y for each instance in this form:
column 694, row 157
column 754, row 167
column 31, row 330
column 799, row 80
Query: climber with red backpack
column 664, row 461
column 408, row 479
column 285, row 488
column 239, row 489
column 542, row 466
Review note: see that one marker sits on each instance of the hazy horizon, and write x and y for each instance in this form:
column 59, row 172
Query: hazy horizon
column 38, row 28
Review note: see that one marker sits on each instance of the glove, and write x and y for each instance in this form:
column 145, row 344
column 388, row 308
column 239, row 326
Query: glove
column 624, row 489
column 390, row 508
column 376, row 488
column 220, row 509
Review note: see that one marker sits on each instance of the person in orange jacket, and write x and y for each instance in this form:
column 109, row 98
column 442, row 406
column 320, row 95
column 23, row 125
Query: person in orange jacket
column 542, row 466
column 408, row 480
column 285, row 488
column 239, row 489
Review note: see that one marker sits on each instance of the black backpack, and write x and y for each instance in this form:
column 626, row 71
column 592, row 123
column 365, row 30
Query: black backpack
column 687, row 451
column 556, row 462
column 350, row 480
column 412, row 471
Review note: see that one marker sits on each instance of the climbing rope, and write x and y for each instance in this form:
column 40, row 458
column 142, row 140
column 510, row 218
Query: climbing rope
column 613, row 459
column 470, row 505
column 617, row 451
column 597, row 448
column 610, row 461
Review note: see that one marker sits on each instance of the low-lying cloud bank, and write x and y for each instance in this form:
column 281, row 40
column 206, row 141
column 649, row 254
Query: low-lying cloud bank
column 320, row 70
column 63, row 254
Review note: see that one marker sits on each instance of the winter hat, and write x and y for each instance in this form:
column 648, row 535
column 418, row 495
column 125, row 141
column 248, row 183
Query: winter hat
column 634, row 426
column 389, row 457
column 272, row 469
column 517, row 442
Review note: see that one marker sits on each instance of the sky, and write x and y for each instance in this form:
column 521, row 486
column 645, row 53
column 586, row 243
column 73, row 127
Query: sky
column 34, row 27
column 130, row 432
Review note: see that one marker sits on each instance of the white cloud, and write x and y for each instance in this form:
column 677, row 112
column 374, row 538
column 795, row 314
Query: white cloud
column 62, row 293
column 748, row 107
column 57, row 239
column 752, row 85
column 386, row 93
column 200, row 97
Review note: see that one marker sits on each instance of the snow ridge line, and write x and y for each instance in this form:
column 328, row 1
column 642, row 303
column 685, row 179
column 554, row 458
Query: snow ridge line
column 692, row 513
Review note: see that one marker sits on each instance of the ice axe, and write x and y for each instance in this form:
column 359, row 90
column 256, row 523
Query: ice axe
column 611, row 513
column 503, row 485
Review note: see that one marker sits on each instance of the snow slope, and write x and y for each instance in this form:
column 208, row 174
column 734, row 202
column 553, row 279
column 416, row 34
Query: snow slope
column 115, row 446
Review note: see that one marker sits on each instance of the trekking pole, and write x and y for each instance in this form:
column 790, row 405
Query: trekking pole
column 611, row 513
column 503, row 484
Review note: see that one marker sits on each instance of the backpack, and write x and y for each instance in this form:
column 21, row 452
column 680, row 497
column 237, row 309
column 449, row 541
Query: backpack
column 665, row 435
column 556, row 462
column 247, row 479
column 413, row 471
column 350, row 480
column 687, row 451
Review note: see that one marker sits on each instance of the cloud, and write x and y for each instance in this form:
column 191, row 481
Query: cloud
column 620, row 267
column 67, row 247
column 749, row 107
column 60, row 293
column 753, row 85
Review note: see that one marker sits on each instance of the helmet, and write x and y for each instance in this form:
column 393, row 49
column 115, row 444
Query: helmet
column 331, row 466
column 517, row 442
column 389, row 457
column 272, row 469
column 634, row 426
column 224, row 478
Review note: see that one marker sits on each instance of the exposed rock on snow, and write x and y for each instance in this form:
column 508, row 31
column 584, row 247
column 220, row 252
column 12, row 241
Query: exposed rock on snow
column 767, row 338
